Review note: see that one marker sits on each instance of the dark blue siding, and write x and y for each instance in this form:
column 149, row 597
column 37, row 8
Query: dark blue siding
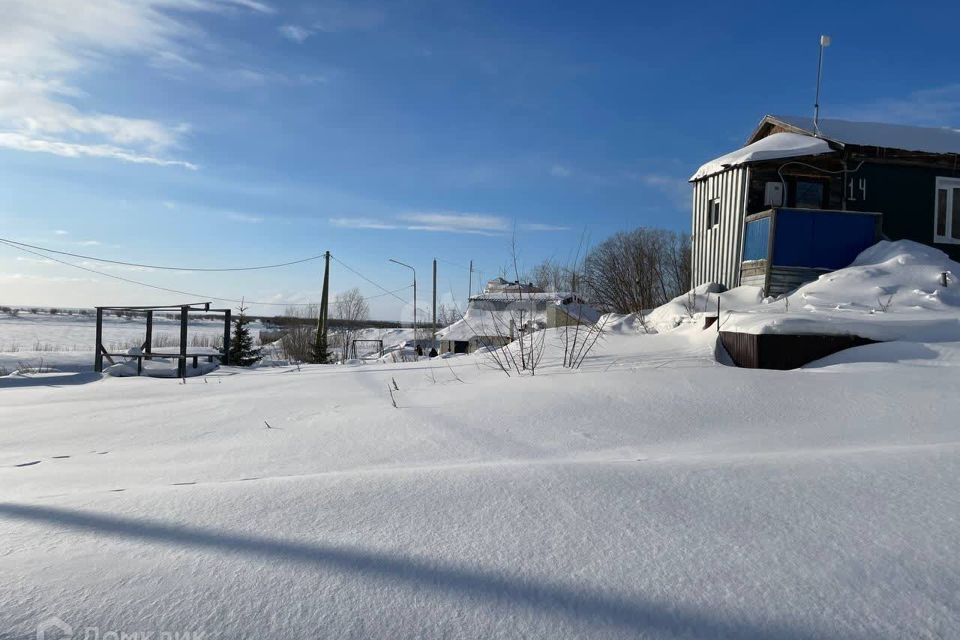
column 756, row 239
column 820, row 239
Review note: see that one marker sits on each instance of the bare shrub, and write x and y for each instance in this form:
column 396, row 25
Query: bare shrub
column 299, row 332
column 351, row 308
column 636, row 270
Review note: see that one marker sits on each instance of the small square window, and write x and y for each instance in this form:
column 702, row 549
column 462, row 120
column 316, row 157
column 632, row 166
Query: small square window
column 808, row 194
column 713, row 213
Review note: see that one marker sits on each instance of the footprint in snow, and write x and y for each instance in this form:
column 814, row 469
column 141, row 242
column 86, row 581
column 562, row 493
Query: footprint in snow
column 27, row 464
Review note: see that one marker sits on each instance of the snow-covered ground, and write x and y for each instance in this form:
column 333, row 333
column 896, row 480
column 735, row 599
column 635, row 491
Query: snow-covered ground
column 652, row 493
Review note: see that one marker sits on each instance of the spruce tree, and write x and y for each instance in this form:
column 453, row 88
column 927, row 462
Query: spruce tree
column 319, row 353
column 242, row 351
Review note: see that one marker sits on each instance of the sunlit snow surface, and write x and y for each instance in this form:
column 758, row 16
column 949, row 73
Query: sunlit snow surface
column 653, row 493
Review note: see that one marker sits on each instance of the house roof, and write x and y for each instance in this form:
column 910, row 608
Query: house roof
column 868, row 134
column 796, row 138
column 777, row 145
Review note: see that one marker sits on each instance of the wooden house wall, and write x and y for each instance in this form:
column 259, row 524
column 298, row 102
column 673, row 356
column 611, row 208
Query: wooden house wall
column 906, row 196
column 716, row 251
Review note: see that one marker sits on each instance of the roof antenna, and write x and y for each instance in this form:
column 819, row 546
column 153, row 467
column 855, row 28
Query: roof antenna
column 824, row 43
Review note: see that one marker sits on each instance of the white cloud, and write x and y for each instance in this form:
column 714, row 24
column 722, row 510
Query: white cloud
column 46, row 45
column 362, row 223
column 677, row 190
column 540, row 226
column 447, row 222
column 560, row 171
column 23, row 142
column 294, row 32
column 456, row 222
column 61, row 232
column 935, row 107
column 244, row 217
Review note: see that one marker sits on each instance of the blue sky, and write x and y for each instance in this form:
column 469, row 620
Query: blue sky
column 231, row 132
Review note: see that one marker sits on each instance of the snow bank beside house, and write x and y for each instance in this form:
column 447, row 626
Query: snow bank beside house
column 892, row 291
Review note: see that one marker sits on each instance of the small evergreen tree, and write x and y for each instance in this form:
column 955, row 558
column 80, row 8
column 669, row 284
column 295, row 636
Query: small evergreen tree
column 319, row 353
column 242, row 352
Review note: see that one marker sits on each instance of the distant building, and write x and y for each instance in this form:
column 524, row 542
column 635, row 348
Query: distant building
column 507, row 310
column 795, row 202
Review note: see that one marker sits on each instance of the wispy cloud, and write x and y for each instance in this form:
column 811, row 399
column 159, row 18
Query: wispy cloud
column 539, row 226
column 445, row 222
column 676, row 190
column 456, row 222
column 294, row 32
column 46, row 44
column 936, row 107
column 362, row 223
column 560, row 171
column 334, row 17
column 23, row 142
column 244, row 217
column 61, row 232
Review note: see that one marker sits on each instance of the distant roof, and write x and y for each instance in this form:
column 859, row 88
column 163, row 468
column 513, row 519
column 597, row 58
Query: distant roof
column 871, row 134
column 777, row 145
column 513, row 296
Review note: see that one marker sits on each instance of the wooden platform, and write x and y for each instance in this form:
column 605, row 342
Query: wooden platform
column 784, row 351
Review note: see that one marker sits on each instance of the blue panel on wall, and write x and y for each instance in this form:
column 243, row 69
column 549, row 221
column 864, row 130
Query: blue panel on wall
column 821, row 240
column 755, row 239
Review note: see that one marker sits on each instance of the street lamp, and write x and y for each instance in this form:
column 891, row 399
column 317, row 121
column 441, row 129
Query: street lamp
column 402, row 264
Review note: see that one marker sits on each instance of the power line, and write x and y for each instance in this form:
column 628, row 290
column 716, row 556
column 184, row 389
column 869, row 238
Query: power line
column 378, row 286
column 159, row 267
column 184, row 293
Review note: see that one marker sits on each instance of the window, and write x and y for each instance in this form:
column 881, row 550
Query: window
column 946, row 223
column 713, row 213
column 808, row 194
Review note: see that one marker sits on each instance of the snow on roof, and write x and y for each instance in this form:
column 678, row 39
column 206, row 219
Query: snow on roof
column 777, row 145
column 877, row 134
column 512, row 296
column 484, row 321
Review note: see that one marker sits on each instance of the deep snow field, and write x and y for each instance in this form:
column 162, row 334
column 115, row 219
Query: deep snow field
column 653, row 493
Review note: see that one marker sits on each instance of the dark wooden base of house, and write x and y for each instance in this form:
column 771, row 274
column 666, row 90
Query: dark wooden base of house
column 784, row 351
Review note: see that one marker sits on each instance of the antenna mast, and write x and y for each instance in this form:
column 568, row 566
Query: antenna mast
column 824, row 43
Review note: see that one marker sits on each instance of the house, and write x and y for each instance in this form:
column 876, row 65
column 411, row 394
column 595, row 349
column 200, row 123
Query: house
column 506, row 310
column 799, row 200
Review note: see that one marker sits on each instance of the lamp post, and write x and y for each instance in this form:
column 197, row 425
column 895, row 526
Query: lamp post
column 824, row 43
column 402, row 264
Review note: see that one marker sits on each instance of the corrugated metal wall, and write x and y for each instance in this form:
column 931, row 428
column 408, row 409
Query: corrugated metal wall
column 716, row 250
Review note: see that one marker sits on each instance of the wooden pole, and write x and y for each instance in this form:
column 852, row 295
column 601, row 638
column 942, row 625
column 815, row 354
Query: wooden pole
column 148, row 343
column 470, row 286
column 226, row 338
column 182, row 361
column 324, row 295
column 98, row 354
column 433, row 335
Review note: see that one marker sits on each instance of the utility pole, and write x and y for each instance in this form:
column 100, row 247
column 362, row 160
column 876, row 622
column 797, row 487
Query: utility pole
column 402, row 264
column 320, row 345
column 470, row 287
column 433, row 336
